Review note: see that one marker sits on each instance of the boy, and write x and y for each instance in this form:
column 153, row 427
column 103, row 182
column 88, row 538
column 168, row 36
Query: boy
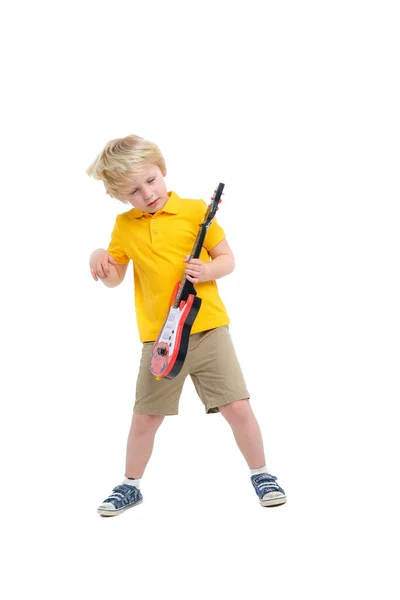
column 156, row 234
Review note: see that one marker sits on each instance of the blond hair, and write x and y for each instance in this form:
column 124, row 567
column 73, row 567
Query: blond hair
column 121, row 158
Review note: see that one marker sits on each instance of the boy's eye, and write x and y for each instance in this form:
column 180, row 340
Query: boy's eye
column 148, row 181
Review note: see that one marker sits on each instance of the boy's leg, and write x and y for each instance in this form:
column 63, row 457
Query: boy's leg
column 154, row 400
column 140, row 443
column 246, row 430
column 139, row 448
column 219, row 382
column 247, row 434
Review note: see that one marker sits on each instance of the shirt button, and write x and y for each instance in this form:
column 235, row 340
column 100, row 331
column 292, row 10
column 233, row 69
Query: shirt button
column 154, row 231
column 153, row 221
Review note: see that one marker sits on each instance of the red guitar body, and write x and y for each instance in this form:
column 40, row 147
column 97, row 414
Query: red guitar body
column 170, row 348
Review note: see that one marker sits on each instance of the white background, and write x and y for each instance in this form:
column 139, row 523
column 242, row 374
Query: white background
column 295, row 107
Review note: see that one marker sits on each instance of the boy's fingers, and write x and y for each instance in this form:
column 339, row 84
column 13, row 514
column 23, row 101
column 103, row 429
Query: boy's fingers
column 105, row 269
column 99, row 271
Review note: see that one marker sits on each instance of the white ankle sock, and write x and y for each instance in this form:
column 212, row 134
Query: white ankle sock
column 258, row 471
column 133, row 482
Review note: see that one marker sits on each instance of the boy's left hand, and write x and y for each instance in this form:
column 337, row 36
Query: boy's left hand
column 196, row 270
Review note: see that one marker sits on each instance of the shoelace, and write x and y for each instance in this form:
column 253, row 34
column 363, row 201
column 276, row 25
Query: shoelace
column 266, row 483
column 119, row 495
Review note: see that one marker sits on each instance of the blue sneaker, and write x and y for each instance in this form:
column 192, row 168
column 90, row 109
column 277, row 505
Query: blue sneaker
column 122, row 497
column 268, row 490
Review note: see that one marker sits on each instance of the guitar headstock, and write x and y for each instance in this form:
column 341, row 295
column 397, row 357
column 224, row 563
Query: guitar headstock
column 213, row 206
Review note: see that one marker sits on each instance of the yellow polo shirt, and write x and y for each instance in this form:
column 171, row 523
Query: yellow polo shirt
column 157, row 245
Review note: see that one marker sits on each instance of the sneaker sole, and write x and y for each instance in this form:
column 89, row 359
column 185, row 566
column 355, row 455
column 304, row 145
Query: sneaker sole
column 114, row 513
column 273, row 502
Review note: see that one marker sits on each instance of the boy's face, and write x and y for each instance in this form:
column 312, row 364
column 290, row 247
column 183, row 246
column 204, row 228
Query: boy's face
column 146, row 189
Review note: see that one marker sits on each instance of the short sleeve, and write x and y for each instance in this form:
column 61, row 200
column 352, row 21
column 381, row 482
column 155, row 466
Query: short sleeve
column 116, row 248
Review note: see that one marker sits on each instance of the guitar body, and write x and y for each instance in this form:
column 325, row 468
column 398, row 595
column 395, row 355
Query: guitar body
column 170, row 348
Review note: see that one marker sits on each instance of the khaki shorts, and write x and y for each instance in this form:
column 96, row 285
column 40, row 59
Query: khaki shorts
column 213, row 366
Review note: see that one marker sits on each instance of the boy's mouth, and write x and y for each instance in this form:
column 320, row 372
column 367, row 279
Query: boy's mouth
column 152, row 204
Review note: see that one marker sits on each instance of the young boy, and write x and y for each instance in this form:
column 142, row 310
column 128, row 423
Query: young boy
column 157, row 235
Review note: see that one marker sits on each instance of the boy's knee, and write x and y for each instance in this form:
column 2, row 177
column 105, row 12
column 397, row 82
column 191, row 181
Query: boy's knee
column 146, row 422
column 236, row 410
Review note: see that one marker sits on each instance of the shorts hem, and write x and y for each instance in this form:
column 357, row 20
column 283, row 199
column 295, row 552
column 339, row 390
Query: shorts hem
column 158, row 414
column 225, row 402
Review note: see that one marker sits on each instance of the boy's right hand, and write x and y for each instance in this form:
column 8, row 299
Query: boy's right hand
column 100, row 262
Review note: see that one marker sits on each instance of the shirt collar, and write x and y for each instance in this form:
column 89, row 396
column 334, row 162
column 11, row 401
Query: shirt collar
column 171, row 206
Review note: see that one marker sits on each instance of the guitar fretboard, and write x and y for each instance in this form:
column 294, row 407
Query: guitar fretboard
column 186, row 287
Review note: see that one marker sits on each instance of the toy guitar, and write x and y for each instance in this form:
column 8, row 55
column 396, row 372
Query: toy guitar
column 170, row 348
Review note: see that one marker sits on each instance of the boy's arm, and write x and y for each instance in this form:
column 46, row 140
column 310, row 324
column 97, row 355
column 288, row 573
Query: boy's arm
column 222, row 263
column 116, row 275
column 104, row 267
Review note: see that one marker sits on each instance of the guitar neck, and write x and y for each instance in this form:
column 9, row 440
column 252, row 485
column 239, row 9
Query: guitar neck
column 198, row 244
column 186, row 287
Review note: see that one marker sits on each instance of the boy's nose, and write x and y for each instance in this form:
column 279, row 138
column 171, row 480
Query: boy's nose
column 147, row 193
